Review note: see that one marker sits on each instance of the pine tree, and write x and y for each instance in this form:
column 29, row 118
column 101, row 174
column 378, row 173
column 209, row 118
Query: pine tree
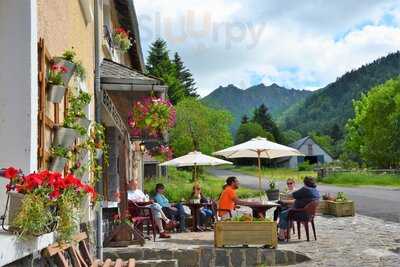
column 185, row 76
column 160, row 65
column 262, row 116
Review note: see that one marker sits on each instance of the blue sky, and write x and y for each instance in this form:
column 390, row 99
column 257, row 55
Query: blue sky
column 298, row 44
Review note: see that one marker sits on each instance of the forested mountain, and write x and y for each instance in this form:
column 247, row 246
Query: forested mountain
column 327, row 110
column 240, row 102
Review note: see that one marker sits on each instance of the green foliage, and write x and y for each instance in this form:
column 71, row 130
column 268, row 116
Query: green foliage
column 200, row 128
column 261, row 116
column 332, row 105
column 291, row 136
column 160, row 65
column 251, row 130
column 305, row 166
column 242, row 102
column 34, row 217
column 274, row 173
column 68, row 212
column 373, row 134
column 185, row 76
column 178, row 186
column 69, row 55
column 76, row 110
column 324, row 141
column 362, row 178
column 59, row 151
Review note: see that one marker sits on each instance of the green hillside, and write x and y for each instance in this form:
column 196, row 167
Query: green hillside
column 330, row 107
column 239, row 102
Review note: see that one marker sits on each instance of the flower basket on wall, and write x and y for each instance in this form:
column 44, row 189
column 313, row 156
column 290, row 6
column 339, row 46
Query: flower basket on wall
column 83, row 122
column 56, row 93
column 58, row 164
column 69, row 65
column 15, row 202
column 64, row 137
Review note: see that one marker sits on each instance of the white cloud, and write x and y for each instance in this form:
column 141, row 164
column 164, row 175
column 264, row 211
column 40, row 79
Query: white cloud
column 300, row 44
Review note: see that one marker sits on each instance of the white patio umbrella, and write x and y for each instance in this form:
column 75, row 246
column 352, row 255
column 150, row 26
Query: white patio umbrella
column 258, row 148
column 195, row 159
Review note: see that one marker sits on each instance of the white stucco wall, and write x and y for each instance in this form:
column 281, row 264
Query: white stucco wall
column 18, row 102
column 18, row 84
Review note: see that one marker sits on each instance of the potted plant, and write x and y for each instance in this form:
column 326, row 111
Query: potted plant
column 272, row 192
column 76, row 112
column 66, row 60
column 123, row 230
column 151, row 116
column 55, row 83
column 50, row 202
column 121, row 40
column 60, row 158
column 66, row 134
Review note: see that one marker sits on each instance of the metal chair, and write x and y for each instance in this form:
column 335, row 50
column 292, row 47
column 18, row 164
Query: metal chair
column 142, row 216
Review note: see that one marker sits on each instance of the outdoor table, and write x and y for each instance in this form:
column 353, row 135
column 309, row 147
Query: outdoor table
column 259, row 209
column 195, row 208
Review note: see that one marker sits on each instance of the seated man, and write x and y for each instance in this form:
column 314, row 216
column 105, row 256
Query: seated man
column 137, row 195
column 173, row 212
column 228, row 199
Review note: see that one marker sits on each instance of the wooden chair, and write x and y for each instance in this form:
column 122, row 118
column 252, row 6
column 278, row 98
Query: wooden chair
column 77, row 254
column 293, row 216
column 142, row 216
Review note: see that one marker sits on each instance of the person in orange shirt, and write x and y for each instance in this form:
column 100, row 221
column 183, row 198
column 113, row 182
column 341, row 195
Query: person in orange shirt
column 228, row 198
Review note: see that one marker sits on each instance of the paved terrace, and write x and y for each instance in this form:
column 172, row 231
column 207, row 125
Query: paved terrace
column 351, row 241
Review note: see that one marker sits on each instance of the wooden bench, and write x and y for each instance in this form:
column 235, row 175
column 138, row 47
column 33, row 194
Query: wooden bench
column 77, row 254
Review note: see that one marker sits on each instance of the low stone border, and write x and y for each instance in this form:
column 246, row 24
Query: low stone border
column 210, row 256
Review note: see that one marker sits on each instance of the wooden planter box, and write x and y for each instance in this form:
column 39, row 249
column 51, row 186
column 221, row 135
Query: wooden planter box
column 341, row 209
column 323, row 207
column 227, row 233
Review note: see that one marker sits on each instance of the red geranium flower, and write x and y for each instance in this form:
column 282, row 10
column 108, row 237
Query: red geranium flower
column 11, row 172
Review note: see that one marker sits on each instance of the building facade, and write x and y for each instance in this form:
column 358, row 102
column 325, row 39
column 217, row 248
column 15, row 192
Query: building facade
column 36, row 31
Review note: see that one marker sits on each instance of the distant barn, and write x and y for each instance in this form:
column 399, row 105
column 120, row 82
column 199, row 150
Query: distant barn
column 313, row 152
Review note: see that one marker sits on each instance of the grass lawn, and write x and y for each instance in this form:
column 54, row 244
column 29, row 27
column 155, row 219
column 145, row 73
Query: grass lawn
column 274, row 173
column 178, row 185
column 362, row 178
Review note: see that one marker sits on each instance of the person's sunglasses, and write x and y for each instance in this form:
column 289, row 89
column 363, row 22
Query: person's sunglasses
column 289, row 183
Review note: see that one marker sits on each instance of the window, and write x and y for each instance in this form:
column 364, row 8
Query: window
column 310, row 150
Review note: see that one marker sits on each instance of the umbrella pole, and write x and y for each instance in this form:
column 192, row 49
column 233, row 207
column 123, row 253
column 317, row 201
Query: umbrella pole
column 259, row 173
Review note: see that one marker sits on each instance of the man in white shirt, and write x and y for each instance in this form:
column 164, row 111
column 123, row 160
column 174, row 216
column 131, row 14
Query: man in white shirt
column 137, row 195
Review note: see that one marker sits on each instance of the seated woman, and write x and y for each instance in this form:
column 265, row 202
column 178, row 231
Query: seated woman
column 176, row 212
column 205, row 213
column 302, row 197
column 286, row 198
column 137, row 195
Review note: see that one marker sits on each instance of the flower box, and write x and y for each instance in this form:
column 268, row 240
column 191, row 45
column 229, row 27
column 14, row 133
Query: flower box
column 64, row 137
column 84, row 122
column 56, row 93
column 15, row 201
column 238, row 233
column 322, row 207
column 70, row 66
column 340, row 209
column 58, row 164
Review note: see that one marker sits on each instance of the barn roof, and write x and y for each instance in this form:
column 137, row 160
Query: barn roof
column 297, row 144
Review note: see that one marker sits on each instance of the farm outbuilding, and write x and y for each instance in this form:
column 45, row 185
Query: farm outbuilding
column 313, row 152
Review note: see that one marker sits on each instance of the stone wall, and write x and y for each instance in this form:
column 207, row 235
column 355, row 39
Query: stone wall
column 210, row 256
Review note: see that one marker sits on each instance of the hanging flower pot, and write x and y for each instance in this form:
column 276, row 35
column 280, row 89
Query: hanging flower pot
column 68, row 65
column 65, row 137
column 83, row 122
column 56, row 93
column 58, row 164
column 15, row 202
